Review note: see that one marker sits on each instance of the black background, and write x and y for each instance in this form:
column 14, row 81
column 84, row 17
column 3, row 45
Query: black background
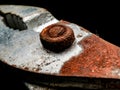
column 99, row 17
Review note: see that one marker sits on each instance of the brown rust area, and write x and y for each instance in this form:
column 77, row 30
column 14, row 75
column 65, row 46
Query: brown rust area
column 57, row 37
column 56, row 31
column 98, row 59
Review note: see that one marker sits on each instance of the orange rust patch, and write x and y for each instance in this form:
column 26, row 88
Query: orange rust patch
column 98, row 59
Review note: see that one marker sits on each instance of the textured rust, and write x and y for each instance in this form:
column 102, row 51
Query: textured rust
column 56, row 31
column 57, row 37
column 98, row 59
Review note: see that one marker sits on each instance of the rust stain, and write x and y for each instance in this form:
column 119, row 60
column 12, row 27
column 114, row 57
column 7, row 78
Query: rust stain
column 26, row 68
column 57, row 37
column 98, row 59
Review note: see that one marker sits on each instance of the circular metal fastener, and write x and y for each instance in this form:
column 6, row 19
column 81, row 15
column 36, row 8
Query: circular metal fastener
column 57, row 37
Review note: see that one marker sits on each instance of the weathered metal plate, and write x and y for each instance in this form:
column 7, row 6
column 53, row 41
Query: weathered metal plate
column 24, row 50
column 89, row 56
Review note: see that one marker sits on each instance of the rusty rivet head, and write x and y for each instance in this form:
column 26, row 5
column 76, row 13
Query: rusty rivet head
column 57, row 37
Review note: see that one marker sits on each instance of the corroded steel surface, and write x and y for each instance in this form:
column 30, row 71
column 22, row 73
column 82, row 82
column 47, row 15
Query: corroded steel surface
column 99, row 59
column 24, row 50
column 89, row 56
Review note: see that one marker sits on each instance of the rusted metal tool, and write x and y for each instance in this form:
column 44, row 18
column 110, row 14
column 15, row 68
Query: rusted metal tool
column 56, row 52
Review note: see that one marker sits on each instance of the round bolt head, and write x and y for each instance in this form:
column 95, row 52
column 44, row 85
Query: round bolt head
column 57, row 37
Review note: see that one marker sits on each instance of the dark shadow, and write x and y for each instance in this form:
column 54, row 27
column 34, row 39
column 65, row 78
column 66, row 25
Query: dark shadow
column 15, row 79
column 98, row 17
column 9, row 80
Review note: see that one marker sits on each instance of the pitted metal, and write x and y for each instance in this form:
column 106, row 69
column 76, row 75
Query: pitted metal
column 24, row 49
column 88, row 59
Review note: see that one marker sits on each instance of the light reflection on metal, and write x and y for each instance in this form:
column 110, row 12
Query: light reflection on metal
column 20, row 47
